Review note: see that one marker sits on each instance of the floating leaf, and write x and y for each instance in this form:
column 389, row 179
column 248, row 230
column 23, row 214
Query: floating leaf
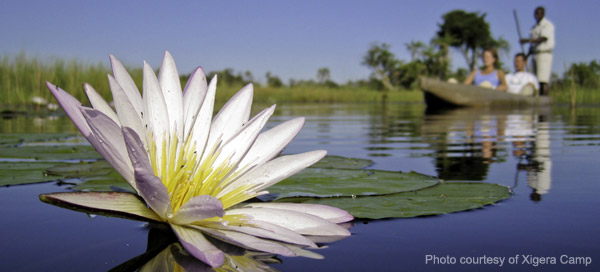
column 83, row 169
column 19, row 138
column 50, row 152
column 96, row 176
column 317, row 182
column 440, row 199
column 339, row 162
column 24, row 172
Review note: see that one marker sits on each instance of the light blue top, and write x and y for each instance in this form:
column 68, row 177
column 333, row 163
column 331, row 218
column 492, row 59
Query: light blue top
column 491, row 78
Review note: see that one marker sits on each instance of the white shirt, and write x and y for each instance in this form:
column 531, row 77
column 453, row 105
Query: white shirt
column 518, row 80
column 543, row 29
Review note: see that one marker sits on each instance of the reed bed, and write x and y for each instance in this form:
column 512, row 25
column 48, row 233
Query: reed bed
column 23, row 78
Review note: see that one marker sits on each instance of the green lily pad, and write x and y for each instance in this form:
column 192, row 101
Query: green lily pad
column 74, row 170
column 317, row 182
column 96, row 176
column 24, row 172
column 339, row 162
column 50, row 152
column 18, row 138
column 440, row 199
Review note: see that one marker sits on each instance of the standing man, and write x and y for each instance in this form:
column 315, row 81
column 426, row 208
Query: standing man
column 542, row 43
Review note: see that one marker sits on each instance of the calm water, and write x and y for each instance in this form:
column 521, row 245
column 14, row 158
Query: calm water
column 549, row 157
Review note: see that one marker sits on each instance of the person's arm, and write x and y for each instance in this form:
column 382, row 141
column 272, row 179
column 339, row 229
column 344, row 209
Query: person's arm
column 502, row 86
column 538, row 40
column 470, row 78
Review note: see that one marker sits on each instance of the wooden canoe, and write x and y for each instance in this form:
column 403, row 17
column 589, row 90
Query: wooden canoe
column 440, row 94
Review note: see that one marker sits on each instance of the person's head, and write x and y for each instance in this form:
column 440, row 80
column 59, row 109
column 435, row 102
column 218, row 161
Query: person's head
column 520, row 62
column 490, row 57
column 539, row 13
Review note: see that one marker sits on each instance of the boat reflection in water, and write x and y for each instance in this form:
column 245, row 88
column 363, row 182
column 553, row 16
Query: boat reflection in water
column 467, row 141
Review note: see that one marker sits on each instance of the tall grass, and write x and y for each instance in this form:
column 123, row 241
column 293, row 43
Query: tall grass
column 575, row 95
column 22, row 78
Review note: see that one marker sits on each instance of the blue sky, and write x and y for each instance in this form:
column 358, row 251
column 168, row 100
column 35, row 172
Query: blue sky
column 292, row 39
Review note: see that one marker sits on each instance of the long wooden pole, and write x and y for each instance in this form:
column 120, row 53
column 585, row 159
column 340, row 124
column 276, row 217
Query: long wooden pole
column 518, row 30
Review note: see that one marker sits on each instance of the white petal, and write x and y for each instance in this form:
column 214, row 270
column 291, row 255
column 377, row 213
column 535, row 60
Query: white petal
column 268, row 231
column 231, row 117
column 171, row 89
column 125, row 203
column 196, row 244
column 239, row 144
column 110, row 142
column 201, row 126
column 297, row 221
column 332, row 214
column 271, row 142
column 99, row 103
column 157, row 117
column 128, row 117
column 128, row 85
column 193, row 96
column 249, row 241
column 274, row 171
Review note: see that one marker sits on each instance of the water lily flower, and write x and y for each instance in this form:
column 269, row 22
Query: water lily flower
column 195, row 172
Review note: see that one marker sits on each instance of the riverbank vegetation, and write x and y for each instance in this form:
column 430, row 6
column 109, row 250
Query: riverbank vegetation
column 393, row 80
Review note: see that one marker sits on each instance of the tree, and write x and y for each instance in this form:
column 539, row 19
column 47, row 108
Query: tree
column 584, row 74
column 383, row 62
column 273, row 80
column 323, row 75
column 415, row 48
column 469, row 33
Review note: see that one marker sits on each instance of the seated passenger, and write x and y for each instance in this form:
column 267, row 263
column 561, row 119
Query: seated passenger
column 489, row 76
column 522, row 82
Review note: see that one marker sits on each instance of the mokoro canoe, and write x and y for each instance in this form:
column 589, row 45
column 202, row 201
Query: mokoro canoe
column 440, row 94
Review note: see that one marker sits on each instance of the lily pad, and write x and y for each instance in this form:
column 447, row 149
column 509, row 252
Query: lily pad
column 24, row 172
column 317, row 182
column 96, row 176
column 83, row 169
column 339, row 162
column 440, row 199
column 50, row 152
column 18, row 138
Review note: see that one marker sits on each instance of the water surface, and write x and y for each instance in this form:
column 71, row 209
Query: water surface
column 549, row 157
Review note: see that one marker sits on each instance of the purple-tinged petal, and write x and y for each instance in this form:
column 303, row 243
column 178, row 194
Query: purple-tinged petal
column 186, row 261
column 333, row 214
column 196, row 244
column 98, row 103
column 126, row 82
column 71, row 107
column 248, row 241
column 171, row 89
column 113, row 203
column 149, row 186
column 109, row 142
column 297, row 221
column 198, row 208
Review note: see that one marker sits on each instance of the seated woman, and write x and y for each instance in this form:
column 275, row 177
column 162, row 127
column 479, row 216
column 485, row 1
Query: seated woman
column 489, row 76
